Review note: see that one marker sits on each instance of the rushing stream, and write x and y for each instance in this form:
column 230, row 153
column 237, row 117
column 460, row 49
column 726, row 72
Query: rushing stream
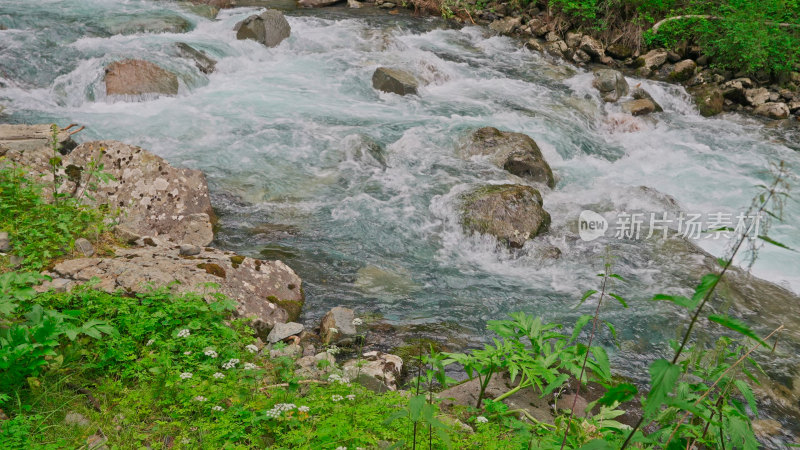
column 275, row 131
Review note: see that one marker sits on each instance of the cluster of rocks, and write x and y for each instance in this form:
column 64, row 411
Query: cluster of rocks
column 135, row 77
column 715, row 90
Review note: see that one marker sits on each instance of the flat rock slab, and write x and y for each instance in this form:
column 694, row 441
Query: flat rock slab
column 137, row 77
column 20, row 138
column 282, row 331
column 395, row 81
column 269, row 291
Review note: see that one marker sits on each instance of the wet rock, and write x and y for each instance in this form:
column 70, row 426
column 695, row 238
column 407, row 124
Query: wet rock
column 360, row 147
column 709, row 100
column 282, row 331
column 611, row 84
column 387, row 5
column 355, row 4
column 506, row 25
column 556, row 48
column 765, row 428
column 772, row 110
column 515, row 152
column 734, row 90
column 209, row 11
column 201, row 60
column 639, row 107
column 682, row 70
column 639, row 93
column 317, row 3
column 592, row 47
column 619, row 51
column 84, row 247
column 511, row 213
column 138, row 77
column 76, row 419
column 337, row 327
column 381, row 367
column 269, row 28
column 268, row 291
column 154, row 23
column 395, row 81
column 653, row 59
column 581, row 57
column 5, row 242
column 534, row 44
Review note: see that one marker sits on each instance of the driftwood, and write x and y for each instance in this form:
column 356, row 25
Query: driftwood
column 710, row 17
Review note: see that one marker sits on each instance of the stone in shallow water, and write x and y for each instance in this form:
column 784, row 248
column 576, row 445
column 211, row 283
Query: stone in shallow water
column 282, row 331
column 395, row 81
column 269, row 28
column 515, row 152
column 201, row 60
column 137, row 77
column 511, row 213
column 611, row 84
column 639, row 107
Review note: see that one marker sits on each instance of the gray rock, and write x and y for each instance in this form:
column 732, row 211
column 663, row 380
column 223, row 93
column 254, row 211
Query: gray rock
column 125, row 234
column 565, row 403
column 395, row 81
column 506, row 25
column 290, row 350
column 337, row 326
column 466, row 394
column 167, row 22
column 734, row 90
column 76, row 419
column 15, row 261
column 515, row 152
column 639, row 107
column 556, row 48
column 709, row 100
column 773, row 110
column 581, row 57
column 534, row 44
column 189, row 250
column 355, row 4
column 269, row 292
column 683, row 70
column 19, row 140
column 375, row 366
column 511, row 213
column 84, row 247
column 201, row 60
column 592, row 47
column 360, row 147
column 5, row 242
column 619, row 51
column 611, row 84
column 282, row 331
column 653, row 59
column 138, row 77
column 757, row 96
column 639, row 93
column 317, row 3
column 269, row 28
column 573, row 39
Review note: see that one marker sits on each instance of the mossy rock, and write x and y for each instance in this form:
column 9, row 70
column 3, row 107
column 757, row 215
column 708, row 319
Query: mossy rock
column 512, row 213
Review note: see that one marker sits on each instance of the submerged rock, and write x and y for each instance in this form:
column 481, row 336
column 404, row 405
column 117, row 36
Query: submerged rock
column 639, row 107
column 159, row 23
column 269, row 28
column 201, row 60
column 515, row 152
column 639, row 93
column 360, row 147
column 137, row 77
column 611, row 84
column 268, row 291
column 511, row 213
column 395, row 81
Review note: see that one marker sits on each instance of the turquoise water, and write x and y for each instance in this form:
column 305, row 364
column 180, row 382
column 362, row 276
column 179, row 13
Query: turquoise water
column 273, row 129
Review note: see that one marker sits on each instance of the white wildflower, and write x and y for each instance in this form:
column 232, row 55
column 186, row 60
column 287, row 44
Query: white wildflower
column 150, row 342
column 341, row 448
column 338, row 379
column 184, row 333
column 357, row 322
column 187, row 353
column 304, row 409
column 186, row 375
column 210, row 352
column 218, row 408
column 252, row 348
column 250, row 366
column 337, row 398
column 332, row 350
column 351, row 397
column 333, row 330
column 230, row 364
column 481, row 419
column 200, row 398
column 218, row 375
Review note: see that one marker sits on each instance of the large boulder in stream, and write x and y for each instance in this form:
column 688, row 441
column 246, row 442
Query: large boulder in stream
column 515, row 152
column 267, row 291
column 611, row 84
column 138, row 77
column 269, row 28
column 510, row 212
column 395, row 81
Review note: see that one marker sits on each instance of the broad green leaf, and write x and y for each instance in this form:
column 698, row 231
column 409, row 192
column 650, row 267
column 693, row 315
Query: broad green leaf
column 663, row 376
column 586, row 295
column 737, row 326
column 677, row 299
column 619, row 299
column 620, row 393
column 747, row 393
column 706, row 284
column 769, row 240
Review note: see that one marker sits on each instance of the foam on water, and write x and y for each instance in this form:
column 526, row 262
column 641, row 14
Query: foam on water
column 270, row 128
